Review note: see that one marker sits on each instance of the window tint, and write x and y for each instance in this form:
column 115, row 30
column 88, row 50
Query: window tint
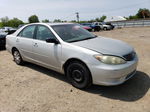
column 43, row 33
column 96, row 23
column 72, row 32
column 27, row 32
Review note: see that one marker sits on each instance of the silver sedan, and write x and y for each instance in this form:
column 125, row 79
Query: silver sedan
column 69, row 49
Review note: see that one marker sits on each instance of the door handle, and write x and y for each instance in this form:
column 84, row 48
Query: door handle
column 17, row 40
column 35, row 45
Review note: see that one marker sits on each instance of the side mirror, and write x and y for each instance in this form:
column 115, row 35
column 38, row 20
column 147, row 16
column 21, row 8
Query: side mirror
column 52, row 40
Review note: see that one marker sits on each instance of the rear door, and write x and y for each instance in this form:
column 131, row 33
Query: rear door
column 48, row 54
column 24, row 41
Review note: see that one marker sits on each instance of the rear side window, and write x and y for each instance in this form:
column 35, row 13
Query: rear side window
column 44, row 33
column 27, row 32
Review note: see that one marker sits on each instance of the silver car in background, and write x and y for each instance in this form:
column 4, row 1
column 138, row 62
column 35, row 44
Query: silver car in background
column 69, row 49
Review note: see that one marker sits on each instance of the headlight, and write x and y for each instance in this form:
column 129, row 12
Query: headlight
column 113, row 60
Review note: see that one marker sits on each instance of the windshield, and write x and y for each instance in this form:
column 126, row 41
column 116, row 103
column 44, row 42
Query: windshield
column 72, row 32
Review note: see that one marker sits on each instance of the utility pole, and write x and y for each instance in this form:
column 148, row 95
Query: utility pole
column 77, row 15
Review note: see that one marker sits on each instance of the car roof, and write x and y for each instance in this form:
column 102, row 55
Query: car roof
column 51, row 24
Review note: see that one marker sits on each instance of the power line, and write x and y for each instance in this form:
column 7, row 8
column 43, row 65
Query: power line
column 72, row 14
column 109, row 10
column 125, row 7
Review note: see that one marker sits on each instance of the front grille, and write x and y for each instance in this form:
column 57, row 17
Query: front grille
column 130, row 56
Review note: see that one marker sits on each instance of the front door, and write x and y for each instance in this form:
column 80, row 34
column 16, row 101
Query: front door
column 45, row 53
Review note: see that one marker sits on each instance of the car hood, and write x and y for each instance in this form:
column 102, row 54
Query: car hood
column 106, row 46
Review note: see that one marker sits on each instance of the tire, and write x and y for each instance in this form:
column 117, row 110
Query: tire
column 79, row 75
column 17, row 57
column 105, row 29
column 97, row 28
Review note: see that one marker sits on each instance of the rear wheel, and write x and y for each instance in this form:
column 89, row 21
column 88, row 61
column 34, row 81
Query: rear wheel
column 17, row 57
column 97, row 28
column 79, row 75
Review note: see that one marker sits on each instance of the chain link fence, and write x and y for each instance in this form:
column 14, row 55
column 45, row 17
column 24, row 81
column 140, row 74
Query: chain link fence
column 131, row 23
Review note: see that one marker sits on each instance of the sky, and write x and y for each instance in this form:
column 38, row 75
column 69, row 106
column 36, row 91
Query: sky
column 66, row 9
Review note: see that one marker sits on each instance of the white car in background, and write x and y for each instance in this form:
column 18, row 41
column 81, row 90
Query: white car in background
column 102, row 25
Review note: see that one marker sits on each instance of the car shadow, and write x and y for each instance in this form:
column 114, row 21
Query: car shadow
column 131, row 90
column 46, row 71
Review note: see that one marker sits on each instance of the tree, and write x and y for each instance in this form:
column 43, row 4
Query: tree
column 1, row 25
column 15, row 22
column 102, row 18
column 133, row 17
column 57, row 21
column 91, row 21
column 97, row 19
column 4, row 21
column 33, row 19
column 45, row 21
column 73, row 21
column 143, row 13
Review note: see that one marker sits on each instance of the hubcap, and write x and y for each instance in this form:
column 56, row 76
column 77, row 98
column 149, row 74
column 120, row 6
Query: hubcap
column 77, row 75
column 17, row 57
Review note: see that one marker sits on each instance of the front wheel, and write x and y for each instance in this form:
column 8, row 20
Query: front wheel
column 79, row 75
column 105, row 29
column 17, row 57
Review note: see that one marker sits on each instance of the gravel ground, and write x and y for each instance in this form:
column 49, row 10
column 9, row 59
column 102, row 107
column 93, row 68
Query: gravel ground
column 32, row 88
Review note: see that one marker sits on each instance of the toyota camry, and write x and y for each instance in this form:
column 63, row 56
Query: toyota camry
column 67, row 48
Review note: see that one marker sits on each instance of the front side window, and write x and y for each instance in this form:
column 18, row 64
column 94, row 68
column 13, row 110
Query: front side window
column 44, row 33
column 27, row 32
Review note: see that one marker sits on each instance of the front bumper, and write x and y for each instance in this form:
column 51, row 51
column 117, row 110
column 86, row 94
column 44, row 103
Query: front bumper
column 110, row 75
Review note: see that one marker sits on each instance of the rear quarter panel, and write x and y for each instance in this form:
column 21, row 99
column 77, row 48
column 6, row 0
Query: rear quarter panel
column 10, row 42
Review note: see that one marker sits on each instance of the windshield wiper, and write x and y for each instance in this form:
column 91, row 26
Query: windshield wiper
column 84, row 39
column 89, row 38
